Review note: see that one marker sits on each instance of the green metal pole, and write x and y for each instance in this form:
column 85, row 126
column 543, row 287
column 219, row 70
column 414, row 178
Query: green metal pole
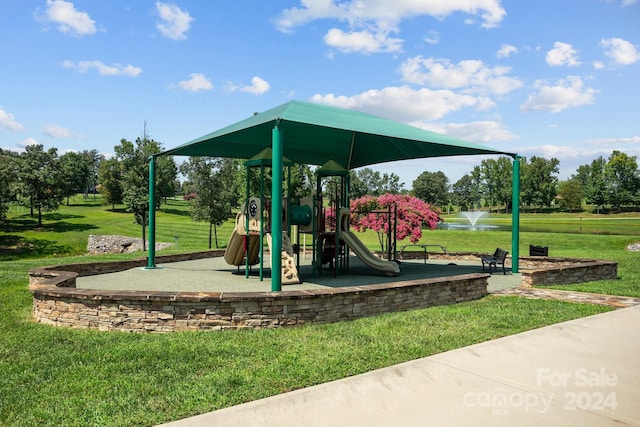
column 151, row 259
column 276, row 210
column 319, row 218
column 515, row 215
column 261, row 221
column 247, row 238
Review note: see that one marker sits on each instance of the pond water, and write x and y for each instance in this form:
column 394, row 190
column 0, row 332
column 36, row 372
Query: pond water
column 624, row 228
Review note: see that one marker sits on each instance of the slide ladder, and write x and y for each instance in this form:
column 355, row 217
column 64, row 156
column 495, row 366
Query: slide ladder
column 289, row 272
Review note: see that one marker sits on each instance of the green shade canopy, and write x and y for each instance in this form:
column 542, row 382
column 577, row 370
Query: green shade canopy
column 331, row 168
column 315, row 134
column 264, row 158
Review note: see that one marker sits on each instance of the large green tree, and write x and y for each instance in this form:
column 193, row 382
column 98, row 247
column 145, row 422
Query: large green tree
column 110, row 178
column 539, row 181
column 9, row 169
column 622, row 179
column 134, row 158
column 367, row 182
column 432, row 187
column 75, row 172
column 92, row 159
column 40, row 180
column 462, row 193
column 571, row 193
column 212, row 203
column 593, row 180
column 497, row 177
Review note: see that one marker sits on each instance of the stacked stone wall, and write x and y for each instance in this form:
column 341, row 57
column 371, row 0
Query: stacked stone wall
column 57, row 301
column 542, row 271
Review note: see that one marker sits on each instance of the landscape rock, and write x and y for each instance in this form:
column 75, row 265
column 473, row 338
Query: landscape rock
column 112, row 244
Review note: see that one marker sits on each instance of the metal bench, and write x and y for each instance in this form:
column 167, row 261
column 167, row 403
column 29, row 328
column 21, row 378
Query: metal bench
column 494, row 260
column 424, row 247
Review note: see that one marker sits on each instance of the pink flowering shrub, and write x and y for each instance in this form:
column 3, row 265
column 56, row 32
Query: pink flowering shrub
column 412, row 215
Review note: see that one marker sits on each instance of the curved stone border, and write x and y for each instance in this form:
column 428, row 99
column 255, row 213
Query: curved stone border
column 58, row 302
column 546, row 271
column 565, row 271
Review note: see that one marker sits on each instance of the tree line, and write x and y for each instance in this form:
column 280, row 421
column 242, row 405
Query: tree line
column 613, row 182
column 42, row 180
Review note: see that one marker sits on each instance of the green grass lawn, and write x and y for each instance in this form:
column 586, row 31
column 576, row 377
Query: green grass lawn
column 56, row 376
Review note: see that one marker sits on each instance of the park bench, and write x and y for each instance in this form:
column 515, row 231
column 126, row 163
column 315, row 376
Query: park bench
column 494, row 260
column 424, row 248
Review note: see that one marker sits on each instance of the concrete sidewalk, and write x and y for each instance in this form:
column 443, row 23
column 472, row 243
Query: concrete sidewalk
column 584, row 372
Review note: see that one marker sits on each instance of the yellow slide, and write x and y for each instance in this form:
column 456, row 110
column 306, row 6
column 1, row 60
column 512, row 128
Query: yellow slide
column 389, row 268
column 234, row 254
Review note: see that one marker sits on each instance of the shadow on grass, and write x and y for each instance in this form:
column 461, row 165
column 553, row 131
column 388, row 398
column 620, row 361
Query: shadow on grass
column 82, row 204
column 28, row 224
column 179, row 212
column 48, row 216
column 14, row 247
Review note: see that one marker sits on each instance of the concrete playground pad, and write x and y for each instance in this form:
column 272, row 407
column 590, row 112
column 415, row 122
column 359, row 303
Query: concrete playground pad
column 584, row 372
column 215, row 275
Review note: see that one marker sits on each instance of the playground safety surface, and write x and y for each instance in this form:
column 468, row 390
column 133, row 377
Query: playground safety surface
column 214, row 275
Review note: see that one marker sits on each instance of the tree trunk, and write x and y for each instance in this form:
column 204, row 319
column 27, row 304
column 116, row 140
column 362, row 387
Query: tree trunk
column 144, row 242
column 215, row 233
column 39, row 216
column 210, row 228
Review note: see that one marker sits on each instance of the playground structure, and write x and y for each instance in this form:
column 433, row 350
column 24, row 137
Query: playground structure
column 253, row 224
column 330, row 246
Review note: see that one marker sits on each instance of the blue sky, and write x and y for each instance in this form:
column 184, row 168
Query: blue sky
column 552, row 78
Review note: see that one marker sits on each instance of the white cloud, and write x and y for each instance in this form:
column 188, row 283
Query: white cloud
column 28, row 141
column 403, row 103
column 433, row 37
column 196, row 83
column 174, row 23
column 562, row 54
column 626, row 3
column 506, row 50
column 8, row 121
column 620, row 51
column 490, row 11
column 566, row 93
column 473, row 76
column 614, row 141
column 258, row 86
column 598, row 65
column 103, row 69
column 573, row 156
column 362, row 41
column 481, row 132
column 55, row 131
column 69, row 20
column 380, row 17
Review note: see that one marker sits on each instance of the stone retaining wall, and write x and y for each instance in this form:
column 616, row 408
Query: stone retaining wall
column 57, row 302
column 563, row 271
column 544, row 271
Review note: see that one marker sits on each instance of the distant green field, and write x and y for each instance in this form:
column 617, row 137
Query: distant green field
column 65, row 232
